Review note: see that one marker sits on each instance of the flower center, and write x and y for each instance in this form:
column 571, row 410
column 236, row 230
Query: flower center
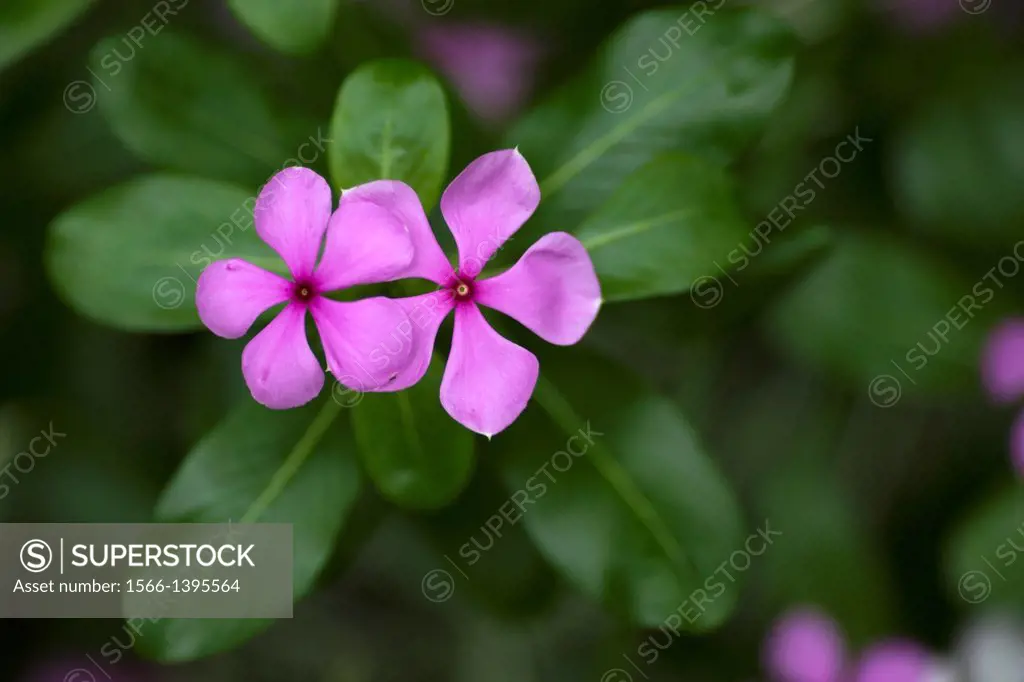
column 462, row 290
column 303, row 292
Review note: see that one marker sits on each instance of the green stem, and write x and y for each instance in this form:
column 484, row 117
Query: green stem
column 293, row 462
column 562, row 412
column 408, row 419
column 598, row 147
column 605, row 238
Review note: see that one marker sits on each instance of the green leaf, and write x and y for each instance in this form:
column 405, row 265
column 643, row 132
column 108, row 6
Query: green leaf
column 841, row 570
column 391, row 122
column 296, row 27
column 643, row 518
column 418, row 456
column 652, row 89
column 886, row 319
column 985, row 556
column 25, row 24
column 971, row 131
column 790, row 439
column 790, row 252
column 667, row 225
column 185, row 106
column 260, row 466
column 364, row 33
column 129, row 257
column 501, row 568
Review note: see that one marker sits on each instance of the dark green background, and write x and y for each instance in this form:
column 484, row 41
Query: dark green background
column 762, row 406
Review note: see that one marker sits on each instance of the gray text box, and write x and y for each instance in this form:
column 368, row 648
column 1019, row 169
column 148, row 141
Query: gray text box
column 159, row 570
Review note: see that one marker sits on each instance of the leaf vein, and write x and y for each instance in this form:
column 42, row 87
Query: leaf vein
column 293, row 462
column 556, row 405
column 628, row 229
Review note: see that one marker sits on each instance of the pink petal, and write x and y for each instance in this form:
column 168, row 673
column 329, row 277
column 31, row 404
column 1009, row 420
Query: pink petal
column 487, row 203
column 232, row 293
column 366, row 342
column 291, row 215
column 366, row 244
column 1002, row 361
column 426, row 313
column 552, row 290
column 489, row 379
column 895, row 661
column 1017, row 445
column 805, row 646
column 429, row 261
column 280, row 369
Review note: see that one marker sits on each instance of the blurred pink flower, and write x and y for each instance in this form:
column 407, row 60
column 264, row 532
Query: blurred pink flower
column 1002, row 374
column 1002, row 361
column 895, row 661
column 805, row 645
column 492, row 67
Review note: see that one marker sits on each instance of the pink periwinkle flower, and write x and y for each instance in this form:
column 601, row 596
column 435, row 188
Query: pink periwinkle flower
column 364, row 244
column 492, row 67
column 1002, row 374
column 552, row 290
column 805, row 645
column 895, row 661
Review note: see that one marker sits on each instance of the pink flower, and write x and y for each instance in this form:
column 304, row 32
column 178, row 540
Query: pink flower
column 895, row 661
column 364, row 244
column 1002, row 361
column 552, row 290
column 805, row 645
column 492, row 67
column 1002, row 374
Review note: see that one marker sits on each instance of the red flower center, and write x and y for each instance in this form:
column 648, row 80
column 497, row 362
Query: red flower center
column 303, row 292
column 462, row 290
